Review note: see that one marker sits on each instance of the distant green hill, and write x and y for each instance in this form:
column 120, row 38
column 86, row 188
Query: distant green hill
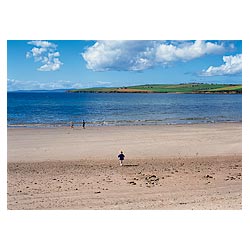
column 188, row 88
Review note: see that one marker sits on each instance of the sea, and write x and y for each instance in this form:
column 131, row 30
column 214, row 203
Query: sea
column 58, row 109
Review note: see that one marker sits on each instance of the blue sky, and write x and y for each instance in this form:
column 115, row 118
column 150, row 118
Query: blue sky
column 64, row 64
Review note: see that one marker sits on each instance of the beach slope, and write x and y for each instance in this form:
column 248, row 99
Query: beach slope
column 166, row 167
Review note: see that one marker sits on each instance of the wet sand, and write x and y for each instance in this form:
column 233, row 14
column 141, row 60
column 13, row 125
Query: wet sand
column 166, row 167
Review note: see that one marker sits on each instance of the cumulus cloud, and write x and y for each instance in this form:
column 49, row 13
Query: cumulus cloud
column 44, row 44
column 51, row 64
column 187, row 51
column 232, row 65
column 118, row 55
column 45, row 53
column 141, row 55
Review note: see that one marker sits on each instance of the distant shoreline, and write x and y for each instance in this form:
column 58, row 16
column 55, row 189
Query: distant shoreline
column 191, row 88
column 144, row 92
column 182, row 88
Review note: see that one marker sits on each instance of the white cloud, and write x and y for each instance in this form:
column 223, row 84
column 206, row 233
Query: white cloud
column 187, row 51
column 44, row 44
column 45, row 52
column 103, row 83
column 14, row 85
column 141, row 55
column 51, row 64
column 232, row 65
column 115, row 55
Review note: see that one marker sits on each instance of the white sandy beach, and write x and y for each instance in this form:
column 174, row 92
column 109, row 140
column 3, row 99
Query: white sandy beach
column 166, row 167
column 42, row 144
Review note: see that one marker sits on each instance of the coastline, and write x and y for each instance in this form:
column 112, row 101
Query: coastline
column 119, row 124
column 151, row 92
column 188, row 88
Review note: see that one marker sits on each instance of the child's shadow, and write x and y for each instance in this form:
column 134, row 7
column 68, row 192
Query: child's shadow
column 131, row 165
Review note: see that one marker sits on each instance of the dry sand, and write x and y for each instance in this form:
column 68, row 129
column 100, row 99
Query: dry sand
column 166, row 167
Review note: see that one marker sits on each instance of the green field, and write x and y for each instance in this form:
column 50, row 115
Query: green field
column 169, row 88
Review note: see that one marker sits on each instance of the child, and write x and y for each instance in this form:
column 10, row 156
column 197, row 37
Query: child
column 121, row 157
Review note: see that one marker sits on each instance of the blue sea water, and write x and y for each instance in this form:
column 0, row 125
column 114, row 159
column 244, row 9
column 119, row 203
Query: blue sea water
column 98, row 109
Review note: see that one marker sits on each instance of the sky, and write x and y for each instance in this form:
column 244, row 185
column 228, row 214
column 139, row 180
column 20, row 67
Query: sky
column 67, row 64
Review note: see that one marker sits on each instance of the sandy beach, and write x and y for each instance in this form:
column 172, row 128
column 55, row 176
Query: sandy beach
column 194, row 166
